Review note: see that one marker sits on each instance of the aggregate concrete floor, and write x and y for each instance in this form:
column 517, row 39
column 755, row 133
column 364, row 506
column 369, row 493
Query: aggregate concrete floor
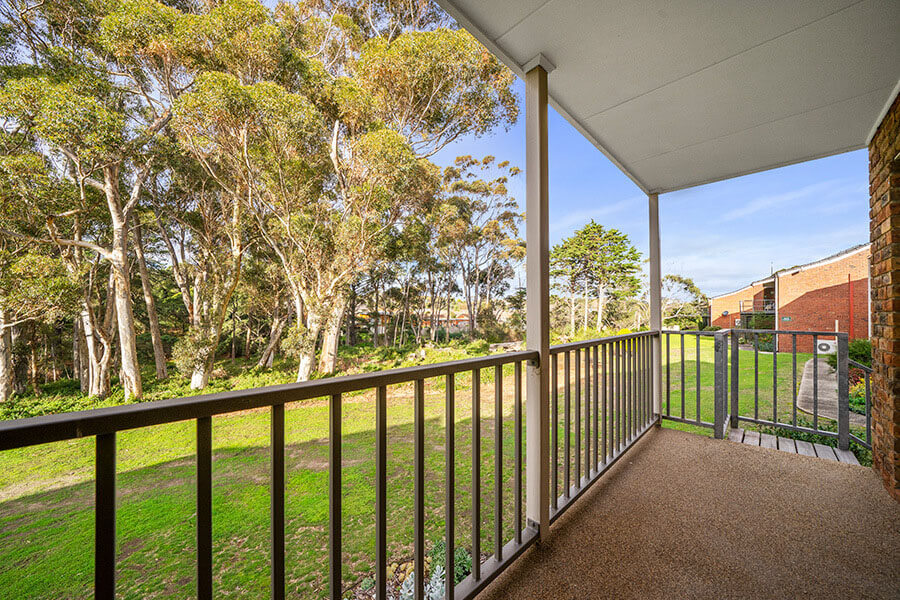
column 685, row 516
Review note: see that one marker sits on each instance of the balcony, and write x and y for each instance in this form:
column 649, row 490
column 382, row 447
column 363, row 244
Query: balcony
column 685, row 516
column 620, row 492
column 757, row 305
column 546, row 465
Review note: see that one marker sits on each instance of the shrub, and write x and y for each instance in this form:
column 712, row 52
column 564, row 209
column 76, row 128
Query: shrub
column 477, row 348
column 858, row 397
column 462, row 560
column 712, row 328
column 858, row 350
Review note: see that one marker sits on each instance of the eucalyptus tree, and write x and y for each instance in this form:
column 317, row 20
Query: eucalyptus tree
column 94, row 89
column 479, row 225
column 338, row 165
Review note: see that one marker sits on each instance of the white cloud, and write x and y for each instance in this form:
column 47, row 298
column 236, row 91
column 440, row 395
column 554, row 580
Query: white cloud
column 582, row 217
column 820, row 192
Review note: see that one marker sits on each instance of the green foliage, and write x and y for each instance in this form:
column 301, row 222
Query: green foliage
column 858, row 350
column 435, row 86
column 462, row 559
column 858, row 398
column 477, row 348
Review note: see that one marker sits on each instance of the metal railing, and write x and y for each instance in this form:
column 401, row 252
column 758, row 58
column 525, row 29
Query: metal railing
column 787, row 417
column 105, row 423
column 606, row 407
column 682, row 411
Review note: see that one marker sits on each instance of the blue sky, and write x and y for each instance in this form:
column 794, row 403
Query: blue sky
column 723, row 235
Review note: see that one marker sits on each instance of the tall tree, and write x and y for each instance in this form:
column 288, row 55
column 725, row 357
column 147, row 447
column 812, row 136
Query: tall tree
column 599, row 260
column 479, row 225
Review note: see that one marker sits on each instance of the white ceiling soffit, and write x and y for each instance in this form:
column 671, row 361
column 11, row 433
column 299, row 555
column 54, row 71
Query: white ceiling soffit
column 682, row 93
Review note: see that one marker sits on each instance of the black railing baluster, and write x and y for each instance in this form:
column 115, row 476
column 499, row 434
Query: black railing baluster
column 815, row 382
column 681, row 336
column 105, row 518
column 697, row 360
column 476, row 474
column 568, row 423
column 668, row 377
column 587, row 412
column 756, row 376
column 277, row 503
column 596, row 390
column 419, row 494
column 498, row 462
column 774, row 379
column 517, row 475
column 381, row 491
column 335, row 587
column 620, row 385
column 635, row 390
column 794, row 378
column 604, row 399
column 554, row 377
column 577, row 470
column 204, row 509
column 449, row 486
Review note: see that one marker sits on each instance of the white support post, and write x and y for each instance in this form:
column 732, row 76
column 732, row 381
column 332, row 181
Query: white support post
column 656, row 302
column 537, row 415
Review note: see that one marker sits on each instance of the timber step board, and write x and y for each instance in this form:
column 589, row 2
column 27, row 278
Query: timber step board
column 765, row 440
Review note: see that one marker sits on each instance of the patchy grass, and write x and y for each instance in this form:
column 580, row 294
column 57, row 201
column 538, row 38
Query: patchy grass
column 46, row 498
column 46, row 492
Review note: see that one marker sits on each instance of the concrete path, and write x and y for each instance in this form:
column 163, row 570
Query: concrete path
column 827, row 391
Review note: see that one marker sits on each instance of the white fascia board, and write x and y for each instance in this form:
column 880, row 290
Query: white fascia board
column 883, row 113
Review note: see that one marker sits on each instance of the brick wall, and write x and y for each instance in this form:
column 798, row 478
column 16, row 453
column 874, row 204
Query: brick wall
column 732, row 304
column 884, row 190
column 816, row 296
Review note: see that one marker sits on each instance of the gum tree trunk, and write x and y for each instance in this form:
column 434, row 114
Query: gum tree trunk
column 6, row 372
column 331, row 339
column 159, row 354
column 308, row 349
column 118, row 259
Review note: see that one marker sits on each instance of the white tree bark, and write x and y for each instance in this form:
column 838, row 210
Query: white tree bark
column 159, row 354
column 331, row 338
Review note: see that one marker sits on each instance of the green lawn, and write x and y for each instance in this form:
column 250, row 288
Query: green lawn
column 760, row 393
column 46, row 492
column 46, row 496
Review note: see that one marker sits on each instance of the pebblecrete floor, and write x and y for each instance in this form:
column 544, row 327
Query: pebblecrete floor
column 685, row 516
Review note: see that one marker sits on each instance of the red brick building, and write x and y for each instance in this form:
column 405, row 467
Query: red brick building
column 831, row 294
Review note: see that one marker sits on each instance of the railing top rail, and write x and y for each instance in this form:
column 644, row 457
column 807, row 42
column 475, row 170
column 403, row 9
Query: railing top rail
column 567, row 347
column 695, row 332
column 853, row 363
column 54, row 428
column 790, row 331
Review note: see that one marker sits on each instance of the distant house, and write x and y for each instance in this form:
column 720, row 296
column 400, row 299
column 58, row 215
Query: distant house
column 831, row 294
